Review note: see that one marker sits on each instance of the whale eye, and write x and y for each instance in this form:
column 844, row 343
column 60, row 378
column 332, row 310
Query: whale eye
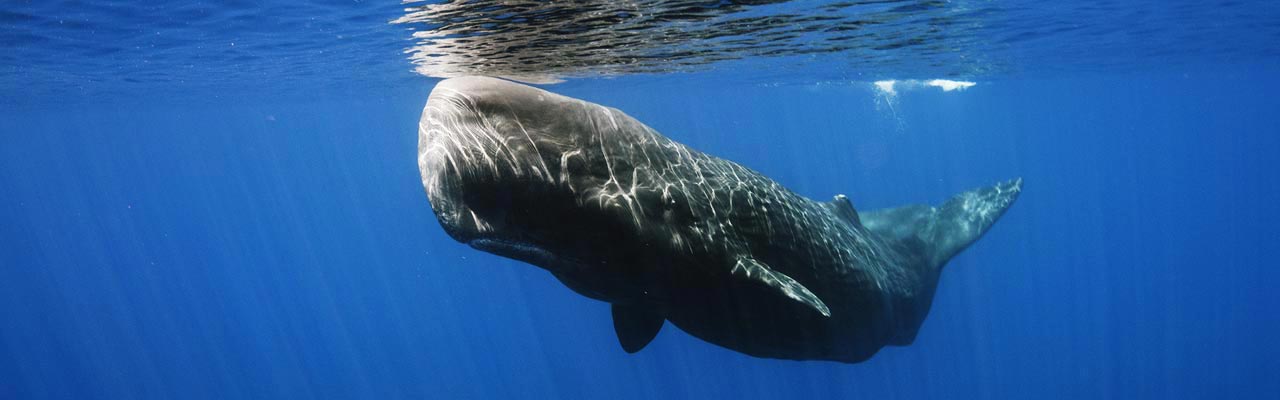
column 574, row 164
column 675, row 206
column 668, row 203
column 669, row 200
column 651, row 199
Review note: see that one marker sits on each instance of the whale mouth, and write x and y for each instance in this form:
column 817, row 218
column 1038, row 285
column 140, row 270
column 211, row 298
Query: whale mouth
column 515, row 249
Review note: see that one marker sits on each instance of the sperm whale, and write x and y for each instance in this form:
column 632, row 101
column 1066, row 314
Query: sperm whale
column 620, row 213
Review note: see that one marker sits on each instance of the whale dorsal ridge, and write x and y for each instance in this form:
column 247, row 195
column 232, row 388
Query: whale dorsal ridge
column 757, row 273
column 844, row 209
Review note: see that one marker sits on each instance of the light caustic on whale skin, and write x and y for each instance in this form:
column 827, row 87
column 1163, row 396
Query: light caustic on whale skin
column 620, row 213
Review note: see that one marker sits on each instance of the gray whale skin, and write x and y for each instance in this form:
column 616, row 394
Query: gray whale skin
column 620, row 213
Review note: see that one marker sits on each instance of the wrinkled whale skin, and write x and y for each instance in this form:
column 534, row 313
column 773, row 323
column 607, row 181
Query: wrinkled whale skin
column 620, row 213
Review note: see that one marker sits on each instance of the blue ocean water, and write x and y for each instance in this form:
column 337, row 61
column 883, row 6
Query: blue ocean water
column 221, row 201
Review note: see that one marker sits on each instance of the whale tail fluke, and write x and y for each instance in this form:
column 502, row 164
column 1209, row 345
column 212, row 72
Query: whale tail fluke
column 945, row 230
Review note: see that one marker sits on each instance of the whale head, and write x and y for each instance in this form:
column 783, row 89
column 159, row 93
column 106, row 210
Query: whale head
column 546, row 179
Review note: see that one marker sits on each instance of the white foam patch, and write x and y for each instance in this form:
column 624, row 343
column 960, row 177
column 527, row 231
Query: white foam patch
column 949, row 85
column 886, row 87
column 891, row 87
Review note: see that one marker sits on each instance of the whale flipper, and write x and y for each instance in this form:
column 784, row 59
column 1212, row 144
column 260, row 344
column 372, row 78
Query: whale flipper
column 635, row 328
column 947, row 229
column 757, row 273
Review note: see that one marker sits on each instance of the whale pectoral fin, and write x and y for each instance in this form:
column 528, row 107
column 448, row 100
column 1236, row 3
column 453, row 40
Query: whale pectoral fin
column 635, row 328
column 758, row 272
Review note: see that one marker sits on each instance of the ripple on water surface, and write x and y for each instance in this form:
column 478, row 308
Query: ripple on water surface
column 132, row 46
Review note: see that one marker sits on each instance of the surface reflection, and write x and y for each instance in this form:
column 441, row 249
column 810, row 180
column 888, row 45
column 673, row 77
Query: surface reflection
column 544, row 41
